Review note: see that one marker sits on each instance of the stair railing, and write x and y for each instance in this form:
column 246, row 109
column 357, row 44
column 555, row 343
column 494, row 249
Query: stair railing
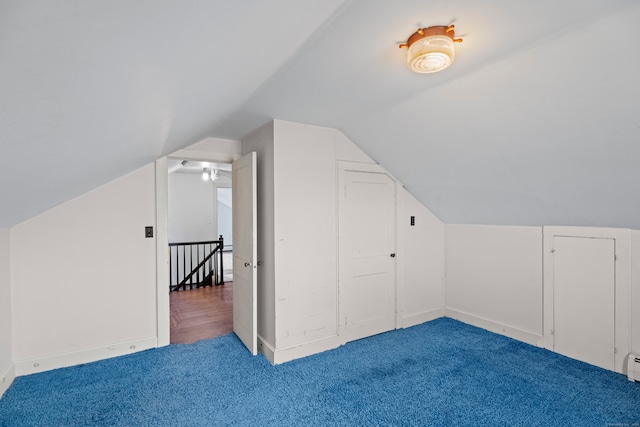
column 195, row 264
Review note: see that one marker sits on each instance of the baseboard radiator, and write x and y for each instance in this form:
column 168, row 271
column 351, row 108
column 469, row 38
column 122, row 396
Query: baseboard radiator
column 633, row 369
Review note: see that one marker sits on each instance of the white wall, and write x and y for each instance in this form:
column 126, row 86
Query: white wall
column 623, row 286
column 420, row 262
column 93, row 292
column 297, row 168
column 224, row 214
column 305, row 233
column 191, row 208
column 261, row 141
column 497, row 276
column 6, row 333
column 635, row 291
column 494, row 278
column 83, row 277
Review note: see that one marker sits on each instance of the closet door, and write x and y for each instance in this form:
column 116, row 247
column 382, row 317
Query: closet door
column 584, row 292
column 367, row 254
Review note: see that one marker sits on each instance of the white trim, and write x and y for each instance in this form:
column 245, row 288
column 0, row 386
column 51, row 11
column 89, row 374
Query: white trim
column 162, row 257
column 267, row 350
column 623, row 295
column 595, row 232
column 345, row 165
column 495, row 327
column 163, row 319
column 32, row 366
column 635, row 292
column 205, row 156
column 7, row 379
column 399, row 267
column 277, row 356
column 419, row 318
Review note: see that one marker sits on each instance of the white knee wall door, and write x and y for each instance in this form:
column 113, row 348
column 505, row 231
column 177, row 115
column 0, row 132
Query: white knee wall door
column 584, row 299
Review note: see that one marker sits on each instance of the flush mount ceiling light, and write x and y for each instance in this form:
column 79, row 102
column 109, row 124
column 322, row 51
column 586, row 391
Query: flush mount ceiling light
column 431, row 49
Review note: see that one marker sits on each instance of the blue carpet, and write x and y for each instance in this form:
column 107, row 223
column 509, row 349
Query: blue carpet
column 440, row 373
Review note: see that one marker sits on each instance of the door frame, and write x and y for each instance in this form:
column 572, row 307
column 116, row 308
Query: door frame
column 622, row 283
column 163, row 325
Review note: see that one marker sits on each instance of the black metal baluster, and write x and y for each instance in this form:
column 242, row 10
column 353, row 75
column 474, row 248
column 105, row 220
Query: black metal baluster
column 211, row 272
column 215, row 278
column 198, row 259
column 170, row 264
column 204, row 265
column 191, row 263
column 221, row 279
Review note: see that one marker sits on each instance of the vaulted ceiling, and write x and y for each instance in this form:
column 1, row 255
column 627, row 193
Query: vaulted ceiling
column 536, row 123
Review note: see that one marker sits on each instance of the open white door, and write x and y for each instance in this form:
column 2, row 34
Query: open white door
column 245, row 251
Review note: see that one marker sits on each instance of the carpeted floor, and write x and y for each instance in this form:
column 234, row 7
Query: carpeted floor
column 440, row 373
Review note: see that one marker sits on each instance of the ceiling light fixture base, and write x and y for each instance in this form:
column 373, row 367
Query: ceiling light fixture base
column 431, row 49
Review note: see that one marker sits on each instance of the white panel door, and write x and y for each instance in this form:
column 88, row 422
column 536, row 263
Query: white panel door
column 245, row 252
column 367, row 245
column 583, row 299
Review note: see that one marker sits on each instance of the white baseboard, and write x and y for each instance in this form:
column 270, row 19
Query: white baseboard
column 277, row 356
column 32, row 366
column 266, row 349
column 417, row 319
column 7, row 379
column 498, row 328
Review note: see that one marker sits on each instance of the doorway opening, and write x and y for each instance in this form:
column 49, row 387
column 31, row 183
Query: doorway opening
column 200, row 250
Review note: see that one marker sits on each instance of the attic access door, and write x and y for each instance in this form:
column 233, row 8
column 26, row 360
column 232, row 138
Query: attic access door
column 245, row 251
column 367, row 235
column 584, row 299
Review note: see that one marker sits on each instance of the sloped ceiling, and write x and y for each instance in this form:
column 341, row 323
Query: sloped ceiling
column 536, row 123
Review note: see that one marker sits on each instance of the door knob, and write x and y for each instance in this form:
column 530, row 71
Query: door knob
column 393, row 255
column 247, row 264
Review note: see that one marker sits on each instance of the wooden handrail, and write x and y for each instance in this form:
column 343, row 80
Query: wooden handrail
column 197, row 243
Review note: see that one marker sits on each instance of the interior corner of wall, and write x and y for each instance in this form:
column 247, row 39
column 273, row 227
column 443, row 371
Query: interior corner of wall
column 267, row 350
column 6, row 379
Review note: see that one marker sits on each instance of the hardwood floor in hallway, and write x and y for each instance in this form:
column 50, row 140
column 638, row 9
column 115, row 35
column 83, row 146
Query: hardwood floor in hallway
column 202, row 313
